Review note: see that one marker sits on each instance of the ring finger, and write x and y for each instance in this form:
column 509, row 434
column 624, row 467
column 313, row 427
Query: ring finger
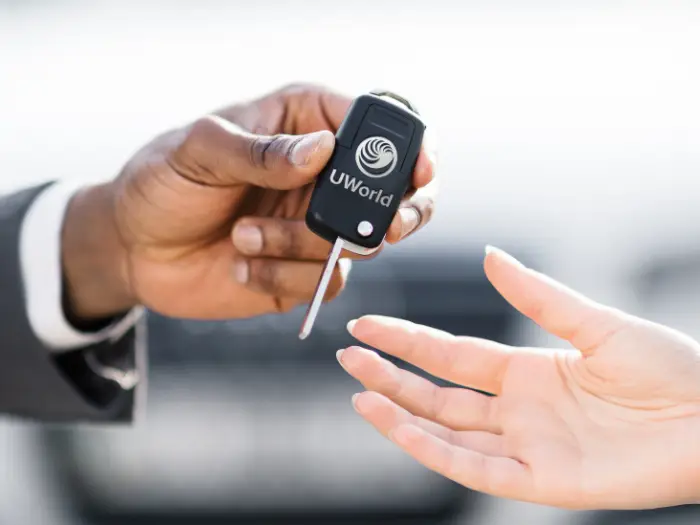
column 457, row 408
column 282, row 239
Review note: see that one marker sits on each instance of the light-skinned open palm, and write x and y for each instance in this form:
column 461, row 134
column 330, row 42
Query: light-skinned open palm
column 613, row 423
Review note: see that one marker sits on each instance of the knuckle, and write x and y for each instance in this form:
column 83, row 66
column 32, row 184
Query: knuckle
column 438, row 406
column 199, row 132
column 389, row 381
column 266, row 151
column 287, row 242
column 258, row 151
column 490, row 411
column 284, row 146
column 415, row 343
column 188, row 157
column 448, row 355
column 265, row 274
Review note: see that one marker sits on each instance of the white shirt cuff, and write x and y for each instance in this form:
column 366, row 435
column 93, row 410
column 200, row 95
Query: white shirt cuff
column 40, row 259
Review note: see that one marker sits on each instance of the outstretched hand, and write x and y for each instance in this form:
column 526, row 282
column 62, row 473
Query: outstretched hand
column 612, row 424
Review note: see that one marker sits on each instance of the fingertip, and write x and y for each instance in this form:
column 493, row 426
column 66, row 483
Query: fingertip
column 354, row 357
column 496, row 259
column 367, row 325
column 353, row 400
column 488, row 258
column 424, row 171
column 367, row 402
column 339, row 356
column 247, row 237
column 360, row 325
column 410, row 220
column 393, row 234
column 359, row 402
column 430, row 145
column 502, row 255
column 405, row 222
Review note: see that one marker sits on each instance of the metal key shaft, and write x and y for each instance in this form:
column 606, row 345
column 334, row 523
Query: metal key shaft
column 321, row 287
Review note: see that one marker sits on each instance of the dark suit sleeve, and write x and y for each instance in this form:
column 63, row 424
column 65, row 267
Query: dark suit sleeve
column 98, row 383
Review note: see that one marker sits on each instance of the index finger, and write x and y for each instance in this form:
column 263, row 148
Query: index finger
column 414, row 213
column 475, row 363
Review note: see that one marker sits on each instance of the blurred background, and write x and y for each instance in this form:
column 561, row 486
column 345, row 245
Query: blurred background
column 569, row 134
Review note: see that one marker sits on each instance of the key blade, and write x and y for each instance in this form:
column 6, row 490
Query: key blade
column 321, row 287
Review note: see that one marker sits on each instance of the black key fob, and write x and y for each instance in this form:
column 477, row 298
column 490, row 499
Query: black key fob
column 359, row 191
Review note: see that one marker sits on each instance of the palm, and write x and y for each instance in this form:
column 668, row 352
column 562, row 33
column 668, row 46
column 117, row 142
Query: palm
column 581, row 424
column 177, row 230
column 612, row 424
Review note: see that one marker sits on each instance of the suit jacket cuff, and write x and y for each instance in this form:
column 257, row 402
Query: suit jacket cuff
column 40, row 257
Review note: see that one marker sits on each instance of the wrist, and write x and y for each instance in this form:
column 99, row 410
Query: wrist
column 93, row 258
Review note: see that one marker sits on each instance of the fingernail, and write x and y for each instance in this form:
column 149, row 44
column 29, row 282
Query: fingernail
column 505, row 257
column 338, row 356
column 354, row 401
column 309, row 145
column 351, row 325
column 410, row 219
column 248, row 239
column 241, row 271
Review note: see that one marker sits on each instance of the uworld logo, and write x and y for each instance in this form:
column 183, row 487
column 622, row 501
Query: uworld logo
column 355, row 185
column 376, row 157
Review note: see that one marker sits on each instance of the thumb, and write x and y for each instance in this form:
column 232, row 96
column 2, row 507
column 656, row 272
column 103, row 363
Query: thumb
column 216, row 152
column 559, row 310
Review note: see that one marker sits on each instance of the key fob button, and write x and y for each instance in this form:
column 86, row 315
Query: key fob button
column 365, row 228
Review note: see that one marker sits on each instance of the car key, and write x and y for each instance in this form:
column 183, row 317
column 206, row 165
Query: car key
column 360, row 189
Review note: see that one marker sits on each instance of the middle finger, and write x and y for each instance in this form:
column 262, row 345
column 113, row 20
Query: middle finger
column 457, row 408
column 283, row 239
